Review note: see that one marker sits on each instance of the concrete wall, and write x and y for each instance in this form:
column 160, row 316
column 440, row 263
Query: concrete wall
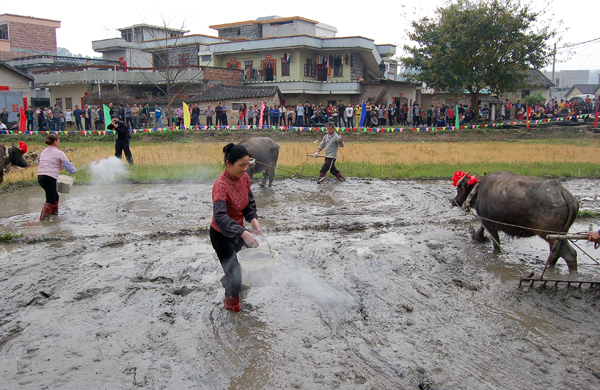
column 7, row 100
column 15, row 82
column 75, row 92
column 250, row 31
column 295, row 27
column 357, row 66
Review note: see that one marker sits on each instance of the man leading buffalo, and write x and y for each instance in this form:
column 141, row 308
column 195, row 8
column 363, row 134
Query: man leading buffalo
column 331, row 142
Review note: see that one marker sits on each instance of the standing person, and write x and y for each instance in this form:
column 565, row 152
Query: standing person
column 111, row 110
column 157, row 116
column 135, row 116
column 87, row 113
column 78, row 113
column 224, row 114
column 233, row 202
column 4, row 117
column 308, row 113
column 146, row 114
column 122, row 142
column 209, row 112
column 341, row 110
column 95, row 117
column 56, row 115
column 69, row 118
column 290, row 116
column 40, row 118
column 331, row 142
column 121, row 113
column 219, row 114
column 251, row 115
column 299, row 114
column 350, row 115
column 196, row 115
column 242, row 114
column 30, row 118
column 128, row 116
column 100, row 122
column 51, row 161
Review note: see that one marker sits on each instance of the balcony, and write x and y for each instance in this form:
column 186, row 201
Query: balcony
column 113, row 44
column 312, row 87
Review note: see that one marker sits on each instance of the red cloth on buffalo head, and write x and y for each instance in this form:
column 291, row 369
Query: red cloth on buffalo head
column 459, row 175
column 23, row 146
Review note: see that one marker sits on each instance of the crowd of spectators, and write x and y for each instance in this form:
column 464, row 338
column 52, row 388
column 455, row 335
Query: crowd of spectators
column 138, row 116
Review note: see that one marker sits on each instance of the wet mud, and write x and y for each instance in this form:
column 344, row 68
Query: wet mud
column 378, row 285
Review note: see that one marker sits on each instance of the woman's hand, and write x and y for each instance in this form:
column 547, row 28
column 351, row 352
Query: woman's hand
column 250, row 240
column 256, row 226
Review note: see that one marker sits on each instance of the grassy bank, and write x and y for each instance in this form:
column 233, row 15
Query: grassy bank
column 165, row 160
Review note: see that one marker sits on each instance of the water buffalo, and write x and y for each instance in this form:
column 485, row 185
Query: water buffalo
column 522, row 206
column 266, row 152
column 14, row 155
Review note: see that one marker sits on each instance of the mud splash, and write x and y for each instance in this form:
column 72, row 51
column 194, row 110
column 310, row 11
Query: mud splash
column 377, row 285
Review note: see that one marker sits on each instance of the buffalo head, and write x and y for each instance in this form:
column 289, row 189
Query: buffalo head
column 464, row 184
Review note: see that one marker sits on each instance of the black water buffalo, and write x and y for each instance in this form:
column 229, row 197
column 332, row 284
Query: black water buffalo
column 522, row 206
column 265, row 152
column 11, row 155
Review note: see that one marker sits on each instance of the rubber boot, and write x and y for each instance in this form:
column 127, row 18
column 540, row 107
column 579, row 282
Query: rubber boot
column 55, row 208
column 233, row 304
column 340, row 177
column 46, row 211
column 321, row 178
column 130, row 161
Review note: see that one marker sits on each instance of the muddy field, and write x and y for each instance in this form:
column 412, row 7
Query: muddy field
column 377, row 286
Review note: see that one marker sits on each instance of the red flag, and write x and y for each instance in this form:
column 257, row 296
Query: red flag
column 596, row 120
column 262, row 111
column 22, row 120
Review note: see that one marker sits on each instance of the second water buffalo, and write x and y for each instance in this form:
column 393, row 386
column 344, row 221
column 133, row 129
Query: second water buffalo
column 265, row 152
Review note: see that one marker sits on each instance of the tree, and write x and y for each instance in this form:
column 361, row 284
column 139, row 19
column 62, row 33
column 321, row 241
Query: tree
column 475, row 45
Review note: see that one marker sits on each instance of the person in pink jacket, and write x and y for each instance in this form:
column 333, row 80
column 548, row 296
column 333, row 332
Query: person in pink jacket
column 52, row 160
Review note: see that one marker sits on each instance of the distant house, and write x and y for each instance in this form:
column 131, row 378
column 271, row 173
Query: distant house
column 583, row 89
column 14, row 90
column 535, row 82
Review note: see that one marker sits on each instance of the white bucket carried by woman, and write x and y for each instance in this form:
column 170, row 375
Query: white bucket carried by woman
column 64, row 183
column 257, row 266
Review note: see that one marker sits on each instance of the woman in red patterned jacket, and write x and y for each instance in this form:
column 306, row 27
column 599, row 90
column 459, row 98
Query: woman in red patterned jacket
column 233, row 202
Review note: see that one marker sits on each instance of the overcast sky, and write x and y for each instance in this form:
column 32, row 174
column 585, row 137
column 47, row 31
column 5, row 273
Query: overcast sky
column 385, row 22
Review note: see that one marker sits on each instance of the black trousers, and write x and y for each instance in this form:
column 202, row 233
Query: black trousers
column 329, row 165
column 209, row 121
column 226, row 249
column 123, row 146
column 48, row 183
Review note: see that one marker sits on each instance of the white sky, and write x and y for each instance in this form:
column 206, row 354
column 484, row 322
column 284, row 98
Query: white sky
column 385, row 22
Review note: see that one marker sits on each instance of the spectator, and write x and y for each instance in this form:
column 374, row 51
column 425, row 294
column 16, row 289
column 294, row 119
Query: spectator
column 56, row 115
column 299, row 114
column 135, row 116
column 30, row 117
column 290, row 116
column 242, row 114
column 78, row 113
column 224, row 114
column 209, row 112
column 196, row 115
column 4, row 117
column 157, row 116
column 128, row 116
column 251, row 115
column 219, row 114
column 350, row 115
column 87, row 112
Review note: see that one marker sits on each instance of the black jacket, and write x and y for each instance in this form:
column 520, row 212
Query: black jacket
column 122, row 131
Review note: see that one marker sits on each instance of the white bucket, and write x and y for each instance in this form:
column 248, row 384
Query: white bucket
column 257, row 266
column 64, row 183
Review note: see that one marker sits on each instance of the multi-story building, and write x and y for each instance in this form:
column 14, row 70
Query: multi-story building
column 24, row 36
column 306, row 60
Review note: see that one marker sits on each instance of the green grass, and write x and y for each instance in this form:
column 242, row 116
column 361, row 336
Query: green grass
column 8, row 237
column 589, row 214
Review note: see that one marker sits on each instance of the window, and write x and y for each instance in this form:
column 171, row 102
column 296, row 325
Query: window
column 59, row 102
column 248, row 64
column 206, row 58
column 184, row 59
column 338, row 67
column 233, row 65
column 309, row 68
column 4, row 31
column 68, row 103
column 126, row 35
column 285, row 67
column 239, row 32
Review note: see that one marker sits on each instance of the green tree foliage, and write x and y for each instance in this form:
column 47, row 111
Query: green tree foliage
column 475, row 45
column 535, row 98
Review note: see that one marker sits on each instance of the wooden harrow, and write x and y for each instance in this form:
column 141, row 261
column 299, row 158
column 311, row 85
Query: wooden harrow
column 532, row 278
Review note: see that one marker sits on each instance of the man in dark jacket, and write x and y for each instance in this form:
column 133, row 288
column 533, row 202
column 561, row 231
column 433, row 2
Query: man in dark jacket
column 77, row 114
column 122, row 143
column 4, row 117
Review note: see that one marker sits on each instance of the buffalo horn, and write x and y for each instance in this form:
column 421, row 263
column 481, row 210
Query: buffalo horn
column 459, row 183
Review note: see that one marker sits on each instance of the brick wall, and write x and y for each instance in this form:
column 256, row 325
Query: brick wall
column 32, row 38
column 227, row 76
column 250, row 31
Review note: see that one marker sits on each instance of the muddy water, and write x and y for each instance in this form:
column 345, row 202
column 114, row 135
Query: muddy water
column 377, row 286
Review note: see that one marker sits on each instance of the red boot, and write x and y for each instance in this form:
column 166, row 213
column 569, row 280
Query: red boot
column 233, row 304
column 55, row 208
column 321, row 178
column 46, row 211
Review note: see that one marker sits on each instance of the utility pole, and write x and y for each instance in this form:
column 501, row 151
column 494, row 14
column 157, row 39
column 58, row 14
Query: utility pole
column 553, row 64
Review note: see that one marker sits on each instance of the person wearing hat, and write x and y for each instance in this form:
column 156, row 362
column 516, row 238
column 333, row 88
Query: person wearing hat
column 331, row 142
column 122, row 142
column 233, row 202
column 52, row 160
